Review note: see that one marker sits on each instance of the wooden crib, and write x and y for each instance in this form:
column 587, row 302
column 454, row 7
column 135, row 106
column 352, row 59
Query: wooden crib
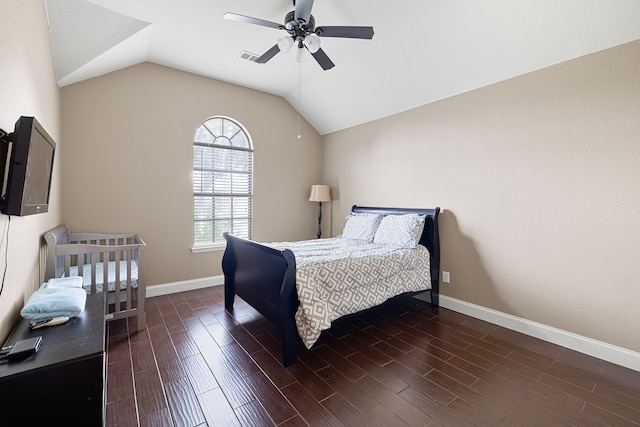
column 112, row 259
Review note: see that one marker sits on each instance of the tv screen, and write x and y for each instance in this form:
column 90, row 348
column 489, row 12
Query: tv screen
column 29, row 169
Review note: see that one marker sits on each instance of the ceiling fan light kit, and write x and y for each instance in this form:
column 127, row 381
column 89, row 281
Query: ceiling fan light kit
column 300, row 25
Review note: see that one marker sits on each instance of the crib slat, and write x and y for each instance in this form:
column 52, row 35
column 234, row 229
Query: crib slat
column 93, row 257
column 116, row 280
column 129, row 282
column 67, row 264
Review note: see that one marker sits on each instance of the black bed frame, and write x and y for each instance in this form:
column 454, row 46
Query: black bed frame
column 265, row 277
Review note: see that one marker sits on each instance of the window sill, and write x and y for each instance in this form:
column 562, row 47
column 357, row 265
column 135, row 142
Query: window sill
column 208, row 248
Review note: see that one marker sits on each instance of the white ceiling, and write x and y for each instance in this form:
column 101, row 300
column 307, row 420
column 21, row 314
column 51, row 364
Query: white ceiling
column 422, row 50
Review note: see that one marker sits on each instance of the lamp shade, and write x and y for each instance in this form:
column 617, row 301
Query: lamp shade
column 285, row 43
column 301, row 54
column 320, row 193
column 312, row 42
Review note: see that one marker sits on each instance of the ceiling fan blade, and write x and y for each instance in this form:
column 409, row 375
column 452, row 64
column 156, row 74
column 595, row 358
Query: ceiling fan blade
column 323, row 59
column 249, row 20
column 303, row 10
column 346, row 32
column 268, row 54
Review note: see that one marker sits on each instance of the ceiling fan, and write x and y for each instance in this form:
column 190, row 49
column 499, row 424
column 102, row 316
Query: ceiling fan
column 301, row 29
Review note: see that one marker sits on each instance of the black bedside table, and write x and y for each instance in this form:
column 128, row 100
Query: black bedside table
column 64, row 382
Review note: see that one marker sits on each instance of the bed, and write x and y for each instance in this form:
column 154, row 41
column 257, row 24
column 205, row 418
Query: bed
column 109, row 263
column 285, row 280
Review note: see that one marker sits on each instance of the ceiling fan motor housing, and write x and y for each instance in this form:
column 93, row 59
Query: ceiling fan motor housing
column 295, row 28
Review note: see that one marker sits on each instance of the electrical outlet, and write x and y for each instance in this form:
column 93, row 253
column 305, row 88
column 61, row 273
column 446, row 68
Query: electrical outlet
column 446, row 277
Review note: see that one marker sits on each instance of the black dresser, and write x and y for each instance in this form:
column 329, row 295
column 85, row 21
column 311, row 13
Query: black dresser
column 63, row 384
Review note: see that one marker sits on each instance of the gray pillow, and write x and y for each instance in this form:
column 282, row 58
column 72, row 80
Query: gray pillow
column 400, row 230
column 361, row 226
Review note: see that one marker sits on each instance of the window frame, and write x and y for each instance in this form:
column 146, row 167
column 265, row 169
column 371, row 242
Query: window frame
column 212, row 244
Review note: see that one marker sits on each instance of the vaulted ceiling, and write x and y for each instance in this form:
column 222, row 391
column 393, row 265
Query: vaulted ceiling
column 422, row 50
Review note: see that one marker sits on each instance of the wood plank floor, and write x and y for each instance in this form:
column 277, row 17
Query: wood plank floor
column 403, row 363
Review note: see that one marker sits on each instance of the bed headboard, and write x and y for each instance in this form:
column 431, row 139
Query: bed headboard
column 430, row 237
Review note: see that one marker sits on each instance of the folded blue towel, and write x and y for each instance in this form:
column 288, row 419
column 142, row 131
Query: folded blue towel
column 47, row 303
column 64, row 282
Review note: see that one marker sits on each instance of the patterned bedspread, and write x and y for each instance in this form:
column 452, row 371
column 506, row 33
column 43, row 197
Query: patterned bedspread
column 336, row 277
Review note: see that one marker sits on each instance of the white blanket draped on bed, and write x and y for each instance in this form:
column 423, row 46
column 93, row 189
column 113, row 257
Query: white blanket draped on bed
column 336, row 277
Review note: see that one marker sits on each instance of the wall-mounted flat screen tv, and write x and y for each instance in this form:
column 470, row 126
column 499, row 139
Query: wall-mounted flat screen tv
column 29, row 168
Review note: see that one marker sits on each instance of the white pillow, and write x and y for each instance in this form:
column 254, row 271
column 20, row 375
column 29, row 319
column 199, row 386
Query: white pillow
column 400, row 230
column 361, row 226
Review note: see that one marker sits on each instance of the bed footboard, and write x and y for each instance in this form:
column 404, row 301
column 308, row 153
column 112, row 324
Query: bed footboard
column 265, row 278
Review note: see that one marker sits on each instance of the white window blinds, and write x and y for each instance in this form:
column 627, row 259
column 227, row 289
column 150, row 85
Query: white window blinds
column 222, row 181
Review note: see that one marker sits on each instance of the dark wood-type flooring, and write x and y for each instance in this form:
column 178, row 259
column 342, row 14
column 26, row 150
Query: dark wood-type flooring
column 403, row 363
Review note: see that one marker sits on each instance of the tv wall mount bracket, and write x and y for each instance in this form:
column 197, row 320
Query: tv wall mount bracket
column 5, row 137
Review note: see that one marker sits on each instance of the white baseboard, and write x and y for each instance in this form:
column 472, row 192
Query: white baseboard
column 186, row 285
column 601, row 350
column 611, row 353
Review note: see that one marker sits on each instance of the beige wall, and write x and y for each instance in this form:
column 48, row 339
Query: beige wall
column 27, row 88
column 539, row 179
column 128, row 162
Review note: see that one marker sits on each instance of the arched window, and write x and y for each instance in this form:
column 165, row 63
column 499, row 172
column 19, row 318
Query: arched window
column 222, row 181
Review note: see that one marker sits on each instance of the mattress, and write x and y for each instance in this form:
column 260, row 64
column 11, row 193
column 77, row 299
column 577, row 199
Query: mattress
column 336, row 277
column 111, row 275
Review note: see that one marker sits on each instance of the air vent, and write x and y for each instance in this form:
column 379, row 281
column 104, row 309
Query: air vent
column 248, row 56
